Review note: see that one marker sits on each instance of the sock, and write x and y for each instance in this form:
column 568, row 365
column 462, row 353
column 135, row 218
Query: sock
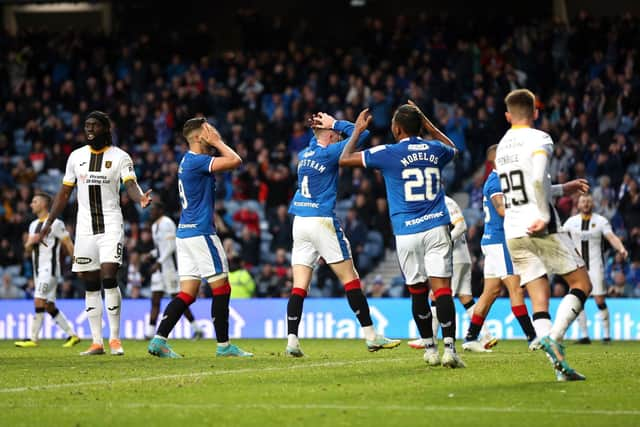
column 63, row 323
column 195, row 327
column 173, row 312
column 474, row 328
column 37, row 324
column 446, row 313
column 113, row 302
column 469, row 308
column 542, row 323
column 521, row 313
column 93, row 304
column 220, row 312
column 435, row 323
column 421, row 312
column 151, row 330
column 603, row 313
column 569, row 308
column 294, row 311
column 360, row 306
column 582, row 323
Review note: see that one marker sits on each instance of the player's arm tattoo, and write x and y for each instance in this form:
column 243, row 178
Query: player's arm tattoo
column 133, row 190
column 498, row 203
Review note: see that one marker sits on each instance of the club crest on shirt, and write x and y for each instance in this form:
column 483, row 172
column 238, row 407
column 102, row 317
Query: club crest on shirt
column 593, row 226
column 107, row 164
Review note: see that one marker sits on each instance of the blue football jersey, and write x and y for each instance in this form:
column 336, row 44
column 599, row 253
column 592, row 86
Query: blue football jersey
column 318, row 175
column 411, row 170
column 196, row 186
column 493, row 223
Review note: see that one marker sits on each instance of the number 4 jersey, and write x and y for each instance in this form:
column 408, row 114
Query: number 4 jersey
column 411, row 170
column 514, row 164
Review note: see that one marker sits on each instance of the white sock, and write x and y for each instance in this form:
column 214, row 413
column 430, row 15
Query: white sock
column 195, row 327
column 568, row 310
column 542, row 327
column 151, row 330
column 93, row 304
column 428, row 342
column 62, row 321
column 582, row 322
column 36, row 325
column 369, row 333
column 223, row 344
column 604, row 318
column 435, row 324
column 292, row 340
column 113, row 302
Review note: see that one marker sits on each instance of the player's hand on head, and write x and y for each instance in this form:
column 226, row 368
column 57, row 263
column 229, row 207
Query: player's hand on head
column 213, row 134
column 325, row 121
column 363, row 120
column 537, row 227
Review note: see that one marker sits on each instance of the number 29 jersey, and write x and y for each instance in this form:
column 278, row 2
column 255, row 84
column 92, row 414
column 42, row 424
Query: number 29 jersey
column 196, row 188
column 411, row 170
column 514, row 164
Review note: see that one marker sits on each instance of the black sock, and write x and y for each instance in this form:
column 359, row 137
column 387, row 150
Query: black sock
column 54, row 313
column 360, row 306
column 446, row 314
column 579, row 294
column 220, row 316
column 422, row 314
column 527, row 327
column 474, row 328
column 469, row 304
column 294, row 310
column 171, row 316
column 602, row 306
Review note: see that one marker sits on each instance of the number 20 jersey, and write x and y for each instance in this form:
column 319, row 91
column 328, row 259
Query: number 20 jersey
column 411, row 170
column 514, row 164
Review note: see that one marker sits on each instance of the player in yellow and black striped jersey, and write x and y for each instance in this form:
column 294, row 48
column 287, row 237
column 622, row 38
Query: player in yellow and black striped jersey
column 97, row 169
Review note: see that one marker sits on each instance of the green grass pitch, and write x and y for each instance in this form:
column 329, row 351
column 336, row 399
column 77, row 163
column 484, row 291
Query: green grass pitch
column 338, row 383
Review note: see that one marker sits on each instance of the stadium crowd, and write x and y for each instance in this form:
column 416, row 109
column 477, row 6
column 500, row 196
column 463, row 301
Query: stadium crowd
column 260, row 98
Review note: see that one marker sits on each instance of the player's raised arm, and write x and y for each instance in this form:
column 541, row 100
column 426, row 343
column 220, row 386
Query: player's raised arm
column 327, row 121
column 580, row 186
column 432, row 129
column 228, row 158
column 349, row 156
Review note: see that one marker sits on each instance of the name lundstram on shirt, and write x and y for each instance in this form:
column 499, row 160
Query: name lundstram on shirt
column 312, row 164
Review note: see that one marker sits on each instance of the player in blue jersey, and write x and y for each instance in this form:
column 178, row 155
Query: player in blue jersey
column 317, row 232
column 200, row 253
column 498, row 269
column 411, row 169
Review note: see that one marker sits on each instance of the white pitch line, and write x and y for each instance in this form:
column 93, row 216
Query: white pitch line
column 339, row 407
column 199, row 374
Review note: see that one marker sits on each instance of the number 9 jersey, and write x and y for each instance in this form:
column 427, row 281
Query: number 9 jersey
column 514, row 164
column 196, row 187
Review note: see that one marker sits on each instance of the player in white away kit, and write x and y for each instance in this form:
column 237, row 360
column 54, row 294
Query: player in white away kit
column 164, row 272
column 411, row 169
column 532, row 229
column 200, row 252
column 97, row 169
column 461, row 277
column 587, row 230
column 47, row 271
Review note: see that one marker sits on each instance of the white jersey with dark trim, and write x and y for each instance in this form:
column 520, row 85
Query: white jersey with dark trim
column 514, row 164
column 46, row 255
column 98, row 175
column 163, row 232
column 461, row 253
column 586, row 233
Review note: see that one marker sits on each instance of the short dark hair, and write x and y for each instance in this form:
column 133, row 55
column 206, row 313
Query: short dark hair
column 192, row 125
column 408, row 118
column 521, row 103
column 45, row 196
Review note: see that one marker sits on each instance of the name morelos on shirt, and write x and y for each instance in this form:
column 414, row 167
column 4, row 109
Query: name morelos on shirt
column 427, row 217
column 312, row 164
column 414, row 157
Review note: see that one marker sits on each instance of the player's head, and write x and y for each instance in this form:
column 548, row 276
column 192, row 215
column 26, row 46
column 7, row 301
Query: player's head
column 97, row 130
column 324, row 136
column 585, row 204
column 157, row 210
column 406, row 122
column 40, row 203
column 491, row 154
column 521, row 106
column 192, row 129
